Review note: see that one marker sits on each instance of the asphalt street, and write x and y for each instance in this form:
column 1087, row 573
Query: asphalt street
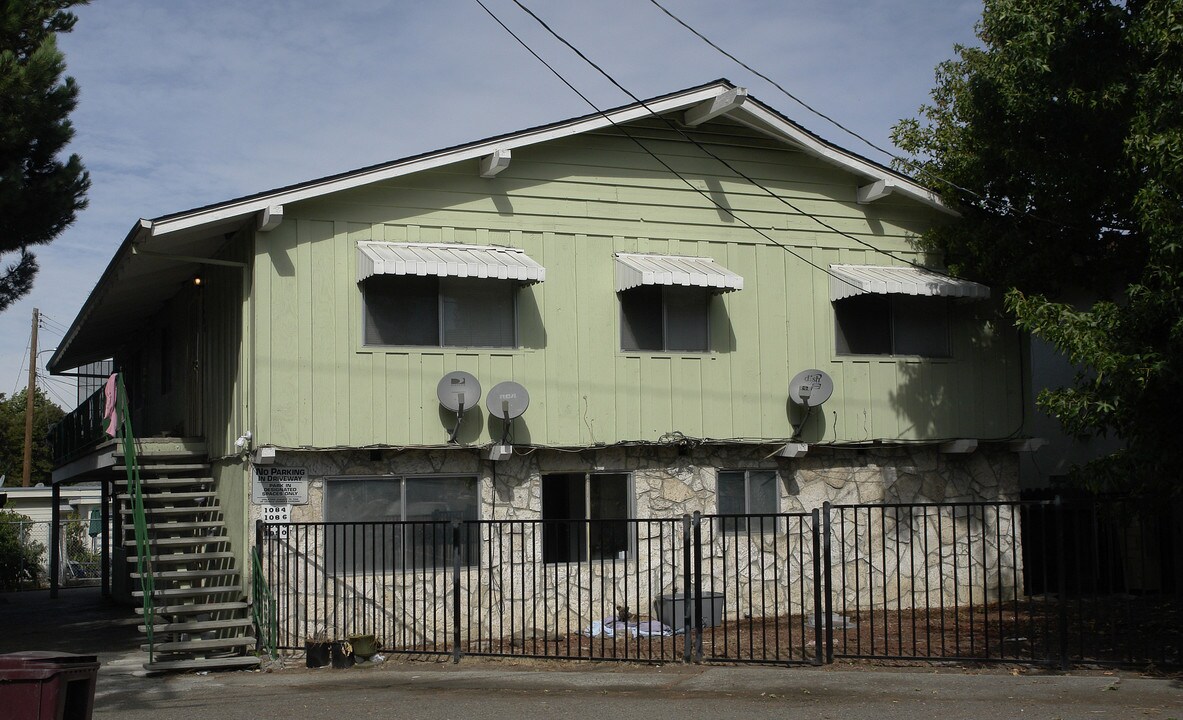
column 400, row 688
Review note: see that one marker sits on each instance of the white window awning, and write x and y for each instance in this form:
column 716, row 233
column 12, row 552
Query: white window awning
column 447, row 260
column 849, row 280
column 634, row 270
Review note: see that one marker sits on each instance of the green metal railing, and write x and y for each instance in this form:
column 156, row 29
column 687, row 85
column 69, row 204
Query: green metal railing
column 263, row 605
column 135, row 491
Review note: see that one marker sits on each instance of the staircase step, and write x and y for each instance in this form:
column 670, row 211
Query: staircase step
column 183, row 510
column 173, row 467
column 189, row 574
column 184, row 557
column 167, row 482
column 169, row 496
column 226, row 663
column 201, row 645
column 190, row 592
column 181, row 541
column 196, row 608
column 197, row 626
column 185, row 525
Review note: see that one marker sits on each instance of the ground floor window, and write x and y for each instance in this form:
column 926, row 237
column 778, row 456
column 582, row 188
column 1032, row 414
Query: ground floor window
column 746, row 492
column 585, row 516
column 387, row 523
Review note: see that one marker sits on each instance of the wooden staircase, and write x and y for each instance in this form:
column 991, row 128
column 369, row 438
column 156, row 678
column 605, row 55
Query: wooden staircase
column 201, row 617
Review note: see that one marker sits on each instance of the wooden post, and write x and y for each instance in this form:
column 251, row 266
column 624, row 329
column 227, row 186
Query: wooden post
column 27, row 469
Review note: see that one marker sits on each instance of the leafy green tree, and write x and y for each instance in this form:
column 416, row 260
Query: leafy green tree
column 20, row 555
column 1060, row 141
column 39, row 194
column 12, row 436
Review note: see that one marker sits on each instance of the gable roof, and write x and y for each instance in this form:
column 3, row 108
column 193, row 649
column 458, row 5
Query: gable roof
column 140, row 281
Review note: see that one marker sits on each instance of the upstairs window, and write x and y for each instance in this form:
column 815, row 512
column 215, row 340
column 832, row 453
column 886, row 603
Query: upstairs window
column 895, row 310
column 439, row 312
column 892, row 325
column 665, row 301
column 442, row 294
column 664, row 319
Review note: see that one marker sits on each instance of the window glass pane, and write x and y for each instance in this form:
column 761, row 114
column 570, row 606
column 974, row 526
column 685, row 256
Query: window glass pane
column 640, row 319
column 762, row 495
column 432, row 503
column 564, row 513
column 686, row 319
column 361, row 547
column 477, row 312
column 921, row 325
column 731, row 499
column 863, row 325
column 609, row 512
column 401, row 310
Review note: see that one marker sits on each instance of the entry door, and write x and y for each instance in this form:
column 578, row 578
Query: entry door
column 195, row 368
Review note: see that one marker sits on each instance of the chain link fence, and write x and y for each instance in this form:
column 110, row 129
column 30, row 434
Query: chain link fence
column 25, row 548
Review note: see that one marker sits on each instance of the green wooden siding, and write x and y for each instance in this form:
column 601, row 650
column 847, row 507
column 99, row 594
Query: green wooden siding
column 571, row 204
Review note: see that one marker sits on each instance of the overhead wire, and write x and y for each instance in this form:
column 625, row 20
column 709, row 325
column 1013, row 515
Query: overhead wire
column 663, row 163
column 673, row 126
column 913, row 165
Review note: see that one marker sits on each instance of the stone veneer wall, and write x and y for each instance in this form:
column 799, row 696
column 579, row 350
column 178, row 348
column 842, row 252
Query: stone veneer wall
column 883, row 557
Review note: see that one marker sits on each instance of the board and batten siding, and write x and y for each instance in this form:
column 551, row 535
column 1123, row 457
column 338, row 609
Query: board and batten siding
column 570, row 204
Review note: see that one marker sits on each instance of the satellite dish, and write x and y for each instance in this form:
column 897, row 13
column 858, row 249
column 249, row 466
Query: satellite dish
column 811, row 388
column 458, row 391
column 507, row 400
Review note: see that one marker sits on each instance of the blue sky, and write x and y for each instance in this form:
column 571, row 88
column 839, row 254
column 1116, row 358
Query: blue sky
column 187, row 103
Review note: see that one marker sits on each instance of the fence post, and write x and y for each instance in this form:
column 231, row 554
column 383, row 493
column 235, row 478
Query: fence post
column 696, row 524
column 687, row 585
column 55, row 550
column 828, row 570
column 817, row 590
column 256, row 570
column 1061, row 582
column 106, row 490
column 455, row 591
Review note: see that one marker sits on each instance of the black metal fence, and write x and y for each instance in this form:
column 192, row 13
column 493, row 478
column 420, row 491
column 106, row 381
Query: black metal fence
column 1041, row 582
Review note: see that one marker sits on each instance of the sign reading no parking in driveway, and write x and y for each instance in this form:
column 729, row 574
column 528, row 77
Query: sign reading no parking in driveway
column 274, row 485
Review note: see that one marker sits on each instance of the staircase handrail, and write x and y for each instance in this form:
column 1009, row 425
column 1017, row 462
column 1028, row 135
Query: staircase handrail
column 134, row 489
column 263, row 607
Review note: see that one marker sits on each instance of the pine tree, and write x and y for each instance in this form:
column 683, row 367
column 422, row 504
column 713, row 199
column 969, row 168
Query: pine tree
column 39, row 193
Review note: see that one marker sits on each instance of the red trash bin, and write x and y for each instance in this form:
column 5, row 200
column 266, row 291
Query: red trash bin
column 45, row 685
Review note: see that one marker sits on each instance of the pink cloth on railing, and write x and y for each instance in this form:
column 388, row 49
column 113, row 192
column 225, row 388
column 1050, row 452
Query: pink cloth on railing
column 110, row 406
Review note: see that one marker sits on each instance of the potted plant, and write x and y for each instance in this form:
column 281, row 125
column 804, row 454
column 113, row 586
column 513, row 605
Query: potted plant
column 317, row 649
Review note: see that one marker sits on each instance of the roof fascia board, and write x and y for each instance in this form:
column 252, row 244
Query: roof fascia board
column 468, row 152
column 761, row 118
column 142, row 230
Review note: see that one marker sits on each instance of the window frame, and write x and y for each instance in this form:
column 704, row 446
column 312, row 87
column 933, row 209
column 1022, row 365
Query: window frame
column 369, row 567
column 515, row 289
column 708, row 298
column 587, row 520
column 734, row 527
column 890, row 299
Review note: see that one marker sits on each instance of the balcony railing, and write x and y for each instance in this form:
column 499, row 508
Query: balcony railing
column 80, row 430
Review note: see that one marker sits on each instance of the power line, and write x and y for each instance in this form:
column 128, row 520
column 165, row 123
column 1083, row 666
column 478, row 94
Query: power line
column 915, row 166
column 706, row 151
column 21, row 370
column 664, row 164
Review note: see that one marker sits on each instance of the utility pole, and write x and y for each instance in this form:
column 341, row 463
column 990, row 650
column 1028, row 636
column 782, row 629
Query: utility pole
column 29, row 393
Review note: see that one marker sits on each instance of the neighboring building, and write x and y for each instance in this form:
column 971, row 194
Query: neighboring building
column 654, row 318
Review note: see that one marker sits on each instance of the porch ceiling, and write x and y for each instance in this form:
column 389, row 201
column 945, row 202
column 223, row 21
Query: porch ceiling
column 136, row 284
